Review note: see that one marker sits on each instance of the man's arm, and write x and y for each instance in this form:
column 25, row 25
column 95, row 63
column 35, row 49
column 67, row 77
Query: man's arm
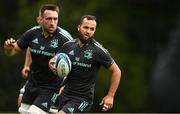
column 10, row 47
column 115, row 79
column 27, row 63
column 107, row 101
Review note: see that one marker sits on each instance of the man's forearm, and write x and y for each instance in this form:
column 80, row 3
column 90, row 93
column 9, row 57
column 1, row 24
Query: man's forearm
column 115, row 80
column 28, row 58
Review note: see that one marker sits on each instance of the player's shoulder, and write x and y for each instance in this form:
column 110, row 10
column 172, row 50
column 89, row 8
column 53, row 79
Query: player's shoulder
column 99, row 47
column 33, row 29
column 64, row 33
column 71, row 42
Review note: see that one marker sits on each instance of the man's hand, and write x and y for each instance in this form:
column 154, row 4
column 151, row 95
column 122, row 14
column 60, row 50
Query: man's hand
column 61, row 89
column 9, row 44
column 25, row 72
column 107, row 103
column 52, row 64
column 11, row 47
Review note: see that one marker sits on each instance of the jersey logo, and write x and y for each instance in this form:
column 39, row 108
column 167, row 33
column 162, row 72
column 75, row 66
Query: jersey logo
column 44, row 104
column 54, row 43
column 42, row 47
column 71, row 52
column 35, row 41
column 88, row 54
column 77, row 58
column 71, row 110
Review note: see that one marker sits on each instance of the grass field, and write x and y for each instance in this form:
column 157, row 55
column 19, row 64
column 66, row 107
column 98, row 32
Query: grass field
column 9, row 113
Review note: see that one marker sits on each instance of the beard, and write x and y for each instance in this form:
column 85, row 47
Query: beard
column 84, row 40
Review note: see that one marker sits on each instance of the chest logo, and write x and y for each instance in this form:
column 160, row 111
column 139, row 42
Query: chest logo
column 71, row 52
column 88, row 54
column 35, row 41
column 54, row 43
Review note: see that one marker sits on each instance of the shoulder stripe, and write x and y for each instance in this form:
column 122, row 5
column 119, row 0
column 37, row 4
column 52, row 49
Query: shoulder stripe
column 70, row 41
column 35, row 27
column 65, row 33
column 101, row 47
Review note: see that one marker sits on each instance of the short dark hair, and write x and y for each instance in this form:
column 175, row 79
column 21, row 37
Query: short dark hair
column 52, row 7
column 88, row 17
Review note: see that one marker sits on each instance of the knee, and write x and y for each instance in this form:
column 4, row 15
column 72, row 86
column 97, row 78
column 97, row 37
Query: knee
column 53, row 111
column 61, row 112
column 36, row 110
column 23, row 109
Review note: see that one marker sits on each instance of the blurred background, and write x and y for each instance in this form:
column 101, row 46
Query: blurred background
column 141, row 35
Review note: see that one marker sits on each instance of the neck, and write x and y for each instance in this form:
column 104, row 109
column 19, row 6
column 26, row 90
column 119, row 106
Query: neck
column 45, row 34
column 80, row 43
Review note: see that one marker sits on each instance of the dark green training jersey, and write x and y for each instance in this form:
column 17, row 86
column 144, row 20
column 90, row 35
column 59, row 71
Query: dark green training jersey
column 86, row 62
column 42, row 50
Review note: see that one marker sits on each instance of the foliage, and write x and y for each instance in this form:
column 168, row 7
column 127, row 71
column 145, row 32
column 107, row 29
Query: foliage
column 132, row 31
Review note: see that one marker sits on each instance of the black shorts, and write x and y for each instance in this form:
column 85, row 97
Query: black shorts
column 73, row 105
column 42, row 98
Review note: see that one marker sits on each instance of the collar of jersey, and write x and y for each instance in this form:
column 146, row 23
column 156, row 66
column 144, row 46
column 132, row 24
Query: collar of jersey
column 52, row 34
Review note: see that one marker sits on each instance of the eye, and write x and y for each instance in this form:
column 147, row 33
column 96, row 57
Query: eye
column 48, row 18
column 92, row 29
column 85, row 27
column 55, row 19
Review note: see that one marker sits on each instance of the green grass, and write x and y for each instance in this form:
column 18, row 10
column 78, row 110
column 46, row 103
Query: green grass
column 9, row 113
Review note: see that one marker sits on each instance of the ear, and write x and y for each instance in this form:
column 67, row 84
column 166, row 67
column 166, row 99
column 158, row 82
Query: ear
column 38, row 19
column 78, row 27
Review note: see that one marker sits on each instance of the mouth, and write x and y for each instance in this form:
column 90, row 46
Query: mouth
column 52, row 28
column 86, row 36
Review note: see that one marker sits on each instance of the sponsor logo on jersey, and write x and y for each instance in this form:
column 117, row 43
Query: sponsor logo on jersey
column 82, row 64
column 77, row 58
column 42, row 48
column 42, row 52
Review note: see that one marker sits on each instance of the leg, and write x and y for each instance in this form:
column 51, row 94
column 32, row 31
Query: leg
column 71, row 105
column 26, row 101
column 36, row 110
column 53, row 110
column 23, row 109
column 45, row 100
column 61, row 112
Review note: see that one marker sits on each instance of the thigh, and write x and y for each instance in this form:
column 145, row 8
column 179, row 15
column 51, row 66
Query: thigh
column 45, row 99
column 23, row 109
column 35, row 110
column 74, row 105
column 29, row 95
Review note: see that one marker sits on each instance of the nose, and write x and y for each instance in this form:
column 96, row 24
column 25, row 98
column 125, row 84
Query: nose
column 52, row 21
column 88, row 31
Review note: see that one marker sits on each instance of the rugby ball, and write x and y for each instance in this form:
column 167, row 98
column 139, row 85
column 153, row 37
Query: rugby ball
column 63, row 64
